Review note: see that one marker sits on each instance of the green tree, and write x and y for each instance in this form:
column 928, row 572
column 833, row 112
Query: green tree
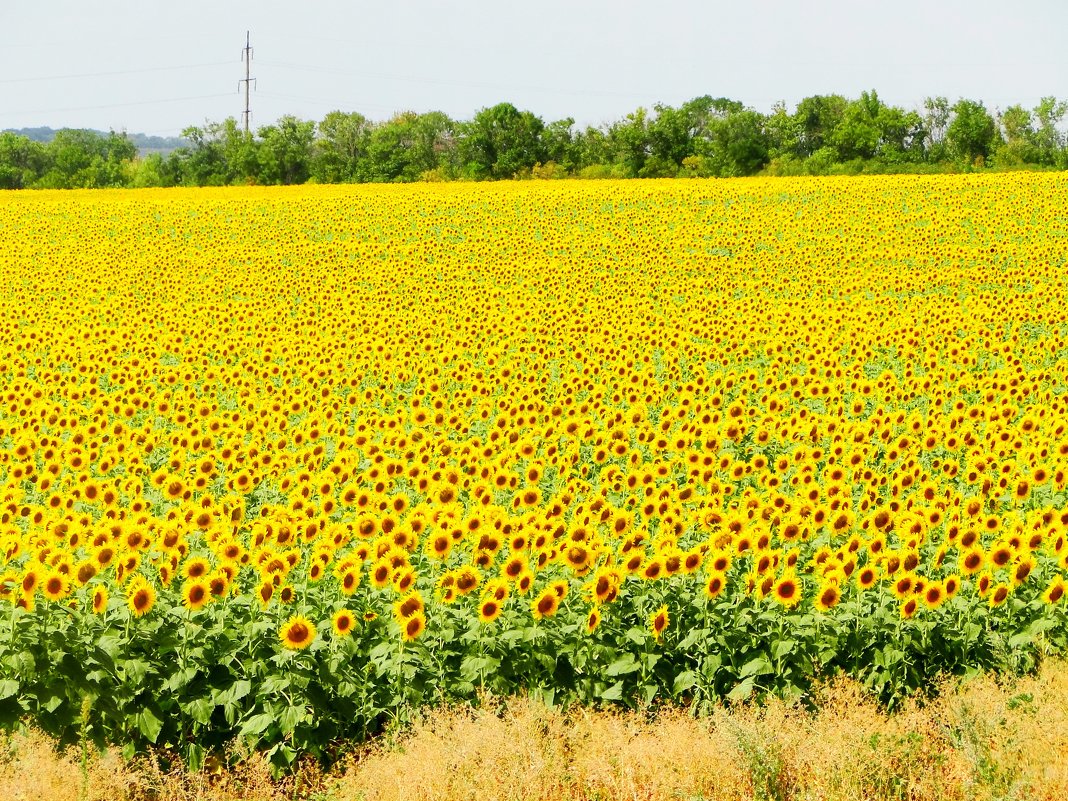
column 857, row 134
column 389, row 151
column 972, row 133
column 735, row 143
column 591, row 148
column 219, row 154
column 783, row 131
column 339, row 146
column 817, row 118
column 433, row 144
column 902, row 135
column 1019, row 147
column 1050, row 142
column 715, row 128
column 558, row 143
column 500, row 142
column 285, row 151
column 85, row 159
column 22, row 161
column 937, row 114
column 628, row 141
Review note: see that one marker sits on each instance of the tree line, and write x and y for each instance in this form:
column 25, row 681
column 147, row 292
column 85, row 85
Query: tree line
column 704, row 137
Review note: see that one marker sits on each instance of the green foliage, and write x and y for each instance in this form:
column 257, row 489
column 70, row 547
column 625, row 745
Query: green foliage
column 703, row 137
column 339, row 147
column 194, row 681
column 973, row 132
column 500, row 142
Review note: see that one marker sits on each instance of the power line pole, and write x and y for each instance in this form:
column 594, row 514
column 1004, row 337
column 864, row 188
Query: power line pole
column 246, row 56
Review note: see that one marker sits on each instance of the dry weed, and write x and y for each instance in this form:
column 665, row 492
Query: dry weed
column 983, row 740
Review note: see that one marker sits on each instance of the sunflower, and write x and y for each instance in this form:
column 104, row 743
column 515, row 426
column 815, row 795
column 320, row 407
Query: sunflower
column 524, row 582
column 658, row 622
column 195, row 594
column 904, row 586
column 100, row 600
column 715, row 584
column 343, row 622
column 489, row 610
column 407, row 606
column 381, row 573
column 413, row 627
column 55, row 586
column 971, row 561
column 603, row 586
column 1055, row 591
column 404, row 580
column 999, row 594
column 593, row 620
column 30, row 580
column 196, row 567
column 934, row 594
column 297, row 633
column 828, row 597
column 867, row 576
column 467, row 579
column 350, row 580
column 787, row 591
column 1001, row 555
column 546, row 604
column 140, row 598
column 1022, row 570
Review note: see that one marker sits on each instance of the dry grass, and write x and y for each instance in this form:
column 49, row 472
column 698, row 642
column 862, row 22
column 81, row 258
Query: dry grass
column 983, row 741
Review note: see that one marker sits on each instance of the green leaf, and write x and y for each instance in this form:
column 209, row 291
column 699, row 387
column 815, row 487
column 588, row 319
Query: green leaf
column 256, row 725
column 290, row 717
column 135, row 670
column 684, row 681
column 711, row 664
column 273, row 685
column 742, row 690
column 8, row 688
column 649, row 693
column 148, row 724
column 1020, row 640
column 625, row 664
column 784, row 647
column 474, row 667
column 199, row 710
column 691, row 639
column 613, row 693
column 755, row 667
column 235, row 692
column 194, row 757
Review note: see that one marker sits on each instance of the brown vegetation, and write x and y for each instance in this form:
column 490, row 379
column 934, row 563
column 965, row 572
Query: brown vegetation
column 987, row 739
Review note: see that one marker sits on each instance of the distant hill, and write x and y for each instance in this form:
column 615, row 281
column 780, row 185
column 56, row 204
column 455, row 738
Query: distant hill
column 145, row 144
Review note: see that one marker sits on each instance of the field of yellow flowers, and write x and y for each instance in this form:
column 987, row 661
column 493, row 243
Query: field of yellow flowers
column 279, row 464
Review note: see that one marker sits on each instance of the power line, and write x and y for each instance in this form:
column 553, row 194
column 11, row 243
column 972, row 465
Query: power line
column 114, row 72
column 335, row 103
column 113, row 105
column 446, row 82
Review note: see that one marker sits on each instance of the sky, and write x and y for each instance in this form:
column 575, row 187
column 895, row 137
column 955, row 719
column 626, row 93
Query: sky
column 156, row 67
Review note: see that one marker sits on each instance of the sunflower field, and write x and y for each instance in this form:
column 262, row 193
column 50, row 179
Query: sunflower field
column 281, row 464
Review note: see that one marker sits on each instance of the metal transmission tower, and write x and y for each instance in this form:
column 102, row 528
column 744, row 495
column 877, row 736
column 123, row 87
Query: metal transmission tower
column 246, row 56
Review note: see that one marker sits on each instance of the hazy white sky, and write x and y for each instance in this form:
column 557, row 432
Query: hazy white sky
column 155, row 67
